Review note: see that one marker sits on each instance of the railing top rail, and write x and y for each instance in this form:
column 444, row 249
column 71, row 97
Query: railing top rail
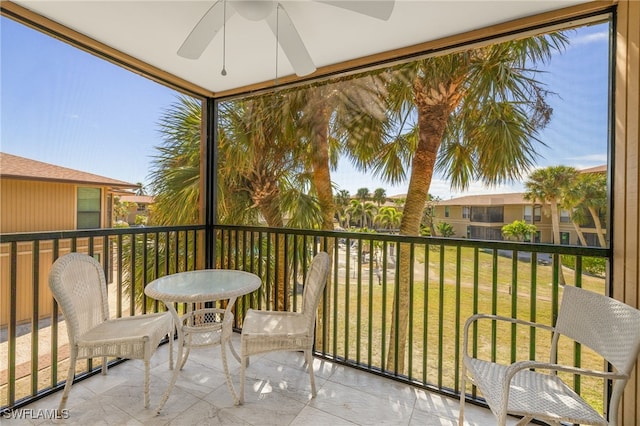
column 351, row 236
column 455, row 242
column 101, row 232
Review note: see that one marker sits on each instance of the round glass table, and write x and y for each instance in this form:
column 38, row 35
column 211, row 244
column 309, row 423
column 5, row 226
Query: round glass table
column 202, row 325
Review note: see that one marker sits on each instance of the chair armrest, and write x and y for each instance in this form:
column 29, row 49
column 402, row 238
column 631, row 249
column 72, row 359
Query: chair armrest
column 474, row 318
column 514, row 368
column 527, row 365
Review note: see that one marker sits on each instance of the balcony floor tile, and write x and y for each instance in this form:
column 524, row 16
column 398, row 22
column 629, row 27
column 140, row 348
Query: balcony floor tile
column 277, row 392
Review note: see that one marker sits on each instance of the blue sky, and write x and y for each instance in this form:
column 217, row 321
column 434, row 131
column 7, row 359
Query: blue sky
column 64, row 106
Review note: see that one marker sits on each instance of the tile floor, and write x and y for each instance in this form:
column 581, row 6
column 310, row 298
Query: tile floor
column 277, row 393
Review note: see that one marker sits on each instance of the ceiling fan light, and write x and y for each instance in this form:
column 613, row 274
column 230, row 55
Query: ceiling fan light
column 254, row 10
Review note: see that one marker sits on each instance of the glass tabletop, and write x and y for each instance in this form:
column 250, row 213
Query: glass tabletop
column 202, row 285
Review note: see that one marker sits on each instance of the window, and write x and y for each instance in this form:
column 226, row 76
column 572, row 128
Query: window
column 446, row 211
column 564, row 238
column 537, row 213
column 484, row 233
column 466, row 212
column 487, row 214
column 591, row 239
column 88, row 208
column 564, row 216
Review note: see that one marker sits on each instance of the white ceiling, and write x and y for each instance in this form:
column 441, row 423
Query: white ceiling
column 152, row 31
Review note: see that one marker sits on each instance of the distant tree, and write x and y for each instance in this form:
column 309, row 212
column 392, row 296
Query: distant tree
column 399, row 202
column 551, row 185
column 141, row 190
column 365, row 210
column 341, row 200
column 594, row 186
column 427, row 216
column 445, row 229
column 363, row 194
column 380, row 196
column 121, row 209
column 342, row 197
column 519, row 230
column 388, row 217
column 141, row 220
column 356, row 210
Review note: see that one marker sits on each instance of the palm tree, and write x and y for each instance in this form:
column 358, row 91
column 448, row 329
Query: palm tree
column 594, row 186
column 363, row 194
column 141, row 190
column 475, row 116
column 551, row 185
column 369, row 212
column 341, row 201
column 388, row 217
column 572, row 202
column 261, row 159
column 342, row 117
column 356, row 209
column 256, row 169
column 379, row 196
column 346, row 116
column 175, row 170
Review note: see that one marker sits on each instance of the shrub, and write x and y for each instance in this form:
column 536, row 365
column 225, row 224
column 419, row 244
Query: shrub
column 596, row 266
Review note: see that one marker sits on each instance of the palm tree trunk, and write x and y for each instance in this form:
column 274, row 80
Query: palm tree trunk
column 322, row 183
column 555, row 224
column 432, row 120
column 598, row 225
column 580, row 234
column 269, row 206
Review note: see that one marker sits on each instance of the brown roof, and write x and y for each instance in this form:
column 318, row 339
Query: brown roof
column 14, row 167
column 486, row 200
column 596, row 169
column 140, row 199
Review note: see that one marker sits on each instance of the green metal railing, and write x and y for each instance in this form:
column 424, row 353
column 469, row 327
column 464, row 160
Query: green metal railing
column 449, row 280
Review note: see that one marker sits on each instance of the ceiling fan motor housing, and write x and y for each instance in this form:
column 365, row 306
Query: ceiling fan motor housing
column 254, row 10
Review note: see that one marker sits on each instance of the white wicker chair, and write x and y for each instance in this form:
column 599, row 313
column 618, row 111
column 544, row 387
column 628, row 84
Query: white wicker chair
column 607, row 326
column 78, row 284
column 270, row 331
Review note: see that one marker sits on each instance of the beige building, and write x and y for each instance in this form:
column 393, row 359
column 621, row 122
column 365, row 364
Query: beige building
column 483, row 216
column 140, row 206
column 41, row 197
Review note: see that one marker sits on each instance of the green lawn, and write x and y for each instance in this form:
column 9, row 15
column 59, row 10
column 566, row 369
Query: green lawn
column 436, row 324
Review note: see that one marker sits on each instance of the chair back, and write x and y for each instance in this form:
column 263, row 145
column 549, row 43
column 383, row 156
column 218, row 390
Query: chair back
column 314, row 286
column 78, row 284
column 608, row 326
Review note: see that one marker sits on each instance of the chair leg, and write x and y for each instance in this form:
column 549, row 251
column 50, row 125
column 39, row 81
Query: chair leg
column 526, row 420
column 309, row 359
column 67, row 387
column 171, row 348
column 147, row 367
column 462, row 395
column 244, row 363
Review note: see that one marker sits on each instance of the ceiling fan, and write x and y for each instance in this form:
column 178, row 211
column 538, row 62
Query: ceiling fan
column 275, row 15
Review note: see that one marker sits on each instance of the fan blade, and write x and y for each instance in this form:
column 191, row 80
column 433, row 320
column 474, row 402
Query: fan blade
column 290, row 41
column 380, row 9
column 204, row 31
